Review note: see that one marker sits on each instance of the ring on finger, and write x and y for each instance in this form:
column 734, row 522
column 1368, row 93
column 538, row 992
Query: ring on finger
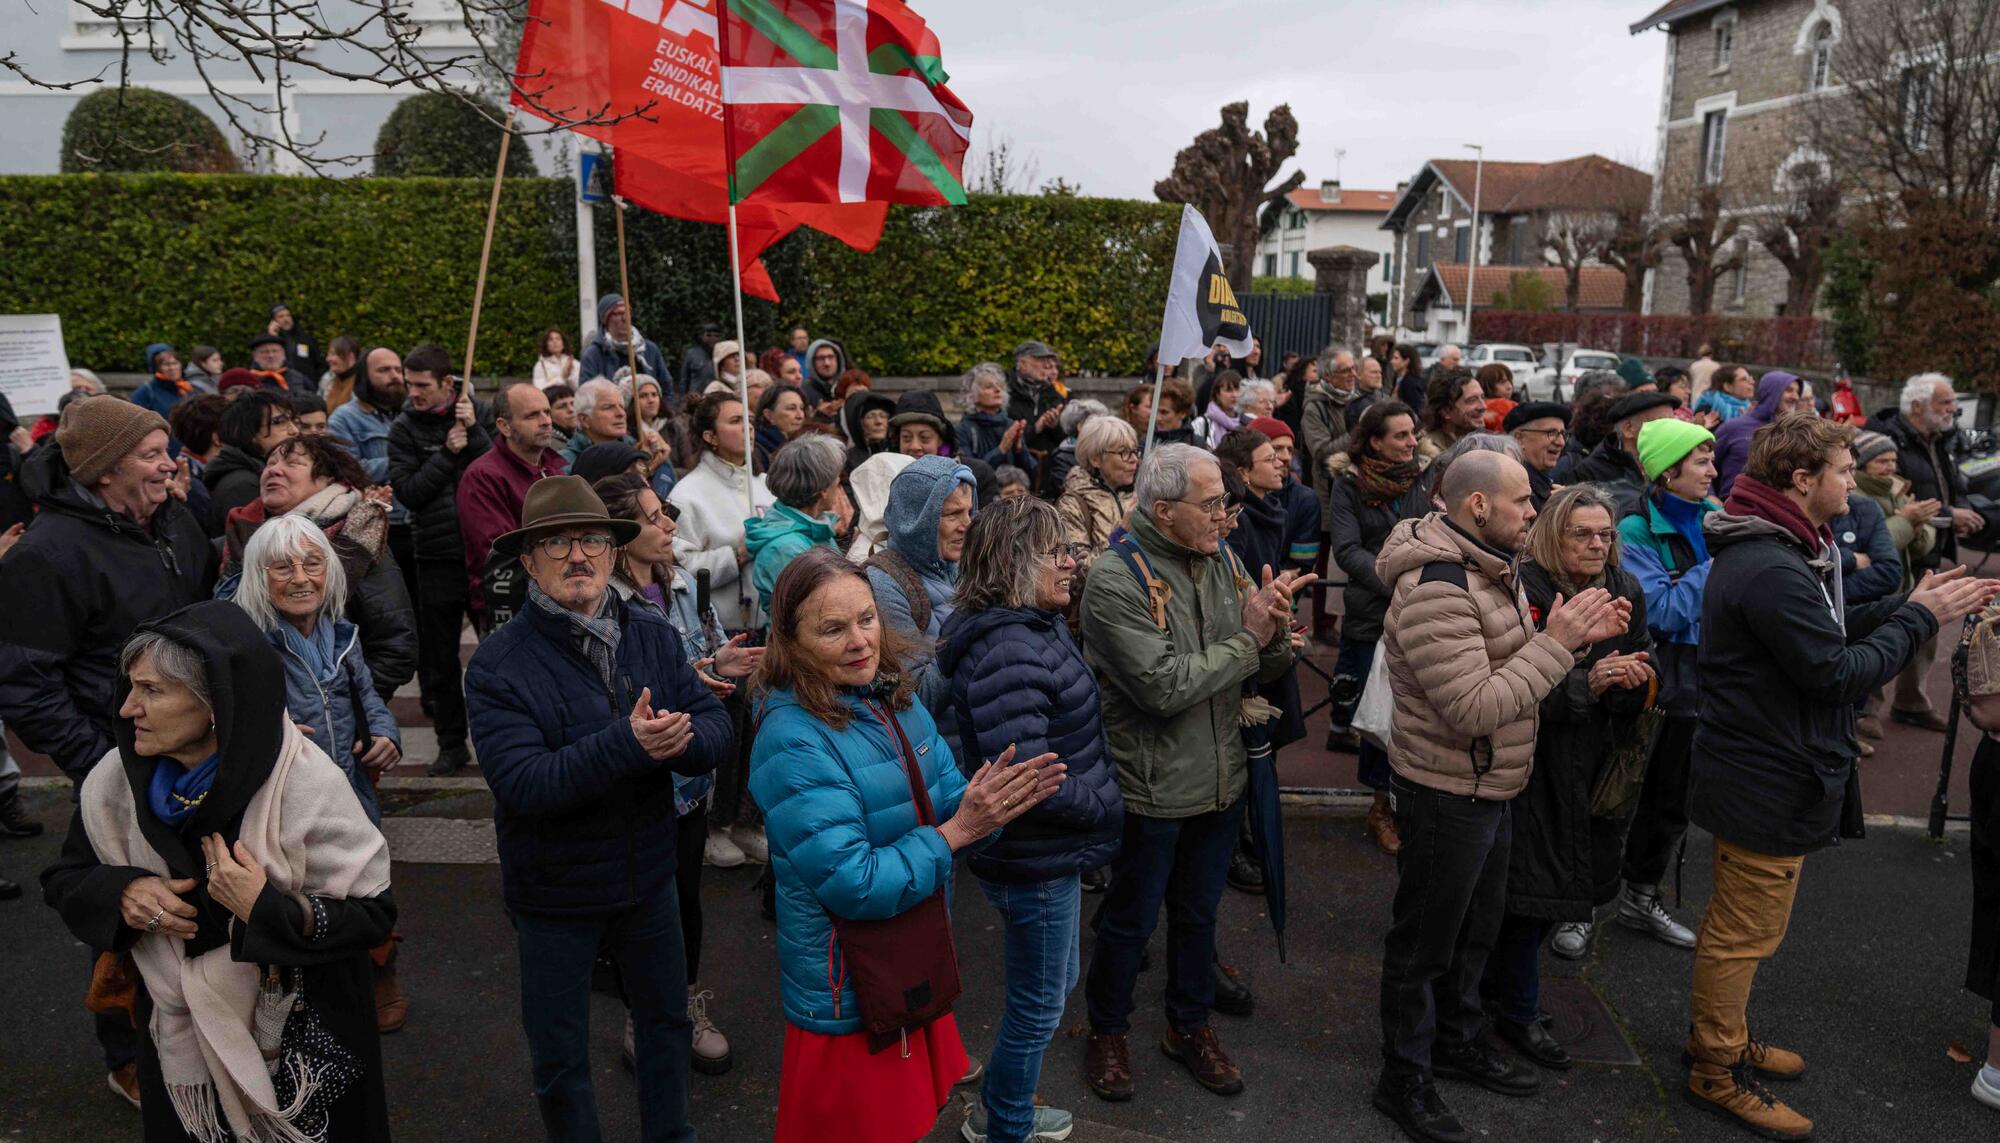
column 153, row 926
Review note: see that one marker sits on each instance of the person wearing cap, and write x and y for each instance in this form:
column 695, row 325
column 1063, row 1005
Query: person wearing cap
column 918, row 428
column 615, row 344
column 728, row 358
column 1036, row 394
column 302, row 352
column 270, row 360
column 165, row 387
column 698, row 360
column 495, row 485
column 1908, row 518
column 1664, row 547
column 865, row 418
column 583, row 708
column 1301, row 505
column 1541, row 428
column 112, row 547
column 1615, row 459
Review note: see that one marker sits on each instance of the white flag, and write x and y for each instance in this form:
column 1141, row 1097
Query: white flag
column 1201, row 307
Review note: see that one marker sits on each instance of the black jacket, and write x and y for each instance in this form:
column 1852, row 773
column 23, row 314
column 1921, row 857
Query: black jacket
column 17, row 505
column 1610, row 465
column 1564, row 861
column 1780, row 674
column 1356, row 527
column 80, row 580
column 1410, row 388
column 425, row 477
column 1027, row 401
column 1930, row 467
column 232, row 479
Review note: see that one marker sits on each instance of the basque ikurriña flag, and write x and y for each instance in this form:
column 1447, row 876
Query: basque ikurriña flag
column 839, row 101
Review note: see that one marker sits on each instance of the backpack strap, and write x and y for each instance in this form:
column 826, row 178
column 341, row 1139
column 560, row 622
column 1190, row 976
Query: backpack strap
column 898, row 569
column 1158, row 591
column 1444, row 571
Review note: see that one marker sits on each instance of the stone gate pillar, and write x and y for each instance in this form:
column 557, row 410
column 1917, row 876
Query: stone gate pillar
column 1342, row 271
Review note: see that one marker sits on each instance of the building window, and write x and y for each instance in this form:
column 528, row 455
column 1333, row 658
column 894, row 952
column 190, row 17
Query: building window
column 1424, row 249
column 1461, row 244
column 1714, row 133
column 1388, row 267
column 1295, row 264
column 1295, row 219
column 1821, row 68
column 1270, row 265
column 1916, row 102
column 1724, row 31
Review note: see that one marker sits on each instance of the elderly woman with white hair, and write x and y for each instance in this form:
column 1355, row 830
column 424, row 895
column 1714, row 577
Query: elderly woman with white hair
column 811, row 510
column 1054, row 472
column 218, row 847
column 1257, row 398
column 1098, row 491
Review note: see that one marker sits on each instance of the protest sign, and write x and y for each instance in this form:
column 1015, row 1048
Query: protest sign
column 34, row 369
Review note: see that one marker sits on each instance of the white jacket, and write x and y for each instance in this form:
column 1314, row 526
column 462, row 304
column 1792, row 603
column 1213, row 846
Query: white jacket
column 870, row 481
column 711, row 525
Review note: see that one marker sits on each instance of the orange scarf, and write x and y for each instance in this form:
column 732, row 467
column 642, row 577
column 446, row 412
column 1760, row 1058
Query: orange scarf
column 181, row 387
column 275, row 375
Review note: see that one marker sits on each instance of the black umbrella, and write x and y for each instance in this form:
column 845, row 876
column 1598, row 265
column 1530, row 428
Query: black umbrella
column 1267, row 824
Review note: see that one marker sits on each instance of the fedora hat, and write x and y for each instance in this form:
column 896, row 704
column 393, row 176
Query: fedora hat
column 558, row 502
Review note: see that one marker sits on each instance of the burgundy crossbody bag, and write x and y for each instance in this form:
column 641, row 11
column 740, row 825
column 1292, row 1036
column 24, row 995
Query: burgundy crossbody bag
column 904, row 969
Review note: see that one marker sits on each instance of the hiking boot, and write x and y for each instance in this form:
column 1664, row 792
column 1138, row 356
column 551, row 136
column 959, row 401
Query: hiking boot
column 391, row 1009
column 1204, row 1058
column 450, row 760
column 720, row 851
column 1639, row 908
column 750, row 840
column 711, row 1047
column 1232, row 996
column 1868, row 726
column 1245, row 874
column 1382, row 826
column 1571, row 940
column 1986, row 1086
column 1533, row 1042
column 1477, row 1063
column 14, row 821
column 1923, row 719
column 1107, row 1066
column 124, row 1082
column 1767, row 1061
column 1733, row 1093
column 1419, row 1110
column 1052, row 1123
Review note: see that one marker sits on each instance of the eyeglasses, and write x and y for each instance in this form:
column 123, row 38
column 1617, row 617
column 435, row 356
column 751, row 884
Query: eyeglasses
column 312, row 567
column 1558, row 434
column 1212, row 506
column 558, row 547
column 1073, row 553
column 1122, row 453
column 1585, row 535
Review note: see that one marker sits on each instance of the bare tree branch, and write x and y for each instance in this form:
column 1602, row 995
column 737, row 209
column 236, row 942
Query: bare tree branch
column 1223, row 174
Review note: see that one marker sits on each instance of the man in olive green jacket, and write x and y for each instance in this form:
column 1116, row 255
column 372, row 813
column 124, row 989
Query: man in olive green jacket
column 1172, row 657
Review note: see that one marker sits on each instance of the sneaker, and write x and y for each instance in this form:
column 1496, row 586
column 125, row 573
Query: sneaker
column 1107, row 1066
column 1480, row 1064
column 721, row 852
column 750, row 839
column 1571, row 940
column 1050, row 1123
column 1201, row 1053
column 14, row 821
column 1986, row 1086
column 124, row 1082
column 1419, row 1110
column 711, row 1047
column 1735, row 1094
column 450, row 760
column 973, row 1070
column 1641, row 909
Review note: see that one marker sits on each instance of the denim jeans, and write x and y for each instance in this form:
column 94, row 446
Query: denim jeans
column 556, row 955
column 1040, row 948
column 1182, row 863
column 1451, row 893
column 1514, row 970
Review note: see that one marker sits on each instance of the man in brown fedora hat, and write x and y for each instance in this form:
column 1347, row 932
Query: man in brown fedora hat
column 582, row 709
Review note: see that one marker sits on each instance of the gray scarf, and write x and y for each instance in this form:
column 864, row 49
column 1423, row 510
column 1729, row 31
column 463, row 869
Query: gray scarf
column 596, row 635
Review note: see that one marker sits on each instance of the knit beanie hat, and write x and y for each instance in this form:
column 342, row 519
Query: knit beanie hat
column 1868, row 446
column 605, row 305
column 1271, row 427
column 1666, row 442
column 97, row 432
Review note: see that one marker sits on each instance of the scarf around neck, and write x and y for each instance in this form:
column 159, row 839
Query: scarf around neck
column 321, row 657
column 596, row 635
column 1382, row 481
column 177, row 790
column 1749, row 497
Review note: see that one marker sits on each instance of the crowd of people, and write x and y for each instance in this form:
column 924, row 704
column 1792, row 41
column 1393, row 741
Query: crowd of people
column 837, row 633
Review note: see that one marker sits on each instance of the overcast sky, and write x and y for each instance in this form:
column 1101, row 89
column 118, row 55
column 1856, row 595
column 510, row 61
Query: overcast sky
column 1104, row 92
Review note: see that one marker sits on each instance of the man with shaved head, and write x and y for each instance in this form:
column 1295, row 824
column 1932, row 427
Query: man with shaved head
column 1470, row 672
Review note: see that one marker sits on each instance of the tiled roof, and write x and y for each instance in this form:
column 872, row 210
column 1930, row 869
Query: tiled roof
column 1358, row 201
column 1603, row 286
column 1674, row 10
column 1587, row 181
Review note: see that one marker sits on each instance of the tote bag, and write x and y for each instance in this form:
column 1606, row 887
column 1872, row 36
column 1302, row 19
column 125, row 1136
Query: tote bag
column 1377, row 708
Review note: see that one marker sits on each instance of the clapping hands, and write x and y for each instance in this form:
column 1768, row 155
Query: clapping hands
column 661, row 736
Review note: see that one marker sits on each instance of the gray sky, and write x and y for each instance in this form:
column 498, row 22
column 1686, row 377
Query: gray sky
column 1103, row 92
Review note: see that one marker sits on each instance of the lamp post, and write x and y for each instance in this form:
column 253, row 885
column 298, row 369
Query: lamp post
column 1472, row 258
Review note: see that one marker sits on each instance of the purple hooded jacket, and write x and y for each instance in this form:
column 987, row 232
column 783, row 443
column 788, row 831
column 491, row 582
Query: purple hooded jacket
column 1732, row 440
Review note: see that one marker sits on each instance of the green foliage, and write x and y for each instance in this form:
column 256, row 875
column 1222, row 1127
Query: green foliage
column 1848, row 296
column 436, row 135
column 1526, row 293
column 1378, row 305
column 138, row 129
column 1287, row 286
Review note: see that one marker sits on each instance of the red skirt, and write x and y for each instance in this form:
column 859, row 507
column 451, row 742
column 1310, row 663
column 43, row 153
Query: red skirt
column 834, row 1090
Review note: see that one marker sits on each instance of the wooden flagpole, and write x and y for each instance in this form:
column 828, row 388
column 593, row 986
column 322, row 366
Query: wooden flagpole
column 1153, row 418
column 486, row 247
column 625, row 288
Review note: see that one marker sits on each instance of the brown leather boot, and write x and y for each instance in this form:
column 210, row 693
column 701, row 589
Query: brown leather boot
column 1204, row 1058
column 1107, row 1066
column 1382, row 826
column 1767, row 1060
column 390, row 1007
column 1734, row 1093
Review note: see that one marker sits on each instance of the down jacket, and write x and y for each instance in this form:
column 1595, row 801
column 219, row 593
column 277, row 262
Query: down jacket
column 844, row 839
column 1015, row 677
column 1468, row 669
column 583, row 815
column 425, row 476
column 1091, row 510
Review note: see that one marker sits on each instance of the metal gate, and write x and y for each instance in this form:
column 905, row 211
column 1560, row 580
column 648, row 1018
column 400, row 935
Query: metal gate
column 1294, row 323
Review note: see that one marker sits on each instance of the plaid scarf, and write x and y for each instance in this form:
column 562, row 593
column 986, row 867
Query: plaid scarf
column 1382, row 481
column 596, row 635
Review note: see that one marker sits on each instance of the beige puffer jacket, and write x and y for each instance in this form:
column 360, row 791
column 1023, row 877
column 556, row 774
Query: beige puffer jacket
column 1466, row 665
column 1090, row 511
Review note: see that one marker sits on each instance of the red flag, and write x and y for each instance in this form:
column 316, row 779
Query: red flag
column 839, row 101
column 648, row 72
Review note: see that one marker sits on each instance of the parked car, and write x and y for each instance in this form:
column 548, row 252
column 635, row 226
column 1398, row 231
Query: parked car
column 1549, row 384
column 1519, row 360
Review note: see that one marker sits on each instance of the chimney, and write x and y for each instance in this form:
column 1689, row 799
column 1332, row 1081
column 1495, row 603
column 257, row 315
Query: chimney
column 1329, row 190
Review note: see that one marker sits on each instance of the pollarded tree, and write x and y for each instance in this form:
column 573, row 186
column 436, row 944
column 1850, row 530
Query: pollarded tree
column 1705, row 233
column 1224, row 173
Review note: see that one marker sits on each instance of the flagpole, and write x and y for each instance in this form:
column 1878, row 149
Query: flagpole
column 742, row 370
column 631, row 322
column 486, row 247
column 1153, row 418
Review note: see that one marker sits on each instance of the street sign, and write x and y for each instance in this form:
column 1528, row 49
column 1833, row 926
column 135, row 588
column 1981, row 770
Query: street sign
column 593, row 177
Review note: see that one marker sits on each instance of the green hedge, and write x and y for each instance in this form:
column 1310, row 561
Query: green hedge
column 128, row 259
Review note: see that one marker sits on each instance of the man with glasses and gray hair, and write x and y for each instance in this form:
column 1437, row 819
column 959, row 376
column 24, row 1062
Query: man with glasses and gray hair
column 1174, row 625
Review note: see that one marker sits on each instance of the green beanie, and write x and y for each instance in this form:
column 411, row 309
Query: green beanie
column 1664, row 443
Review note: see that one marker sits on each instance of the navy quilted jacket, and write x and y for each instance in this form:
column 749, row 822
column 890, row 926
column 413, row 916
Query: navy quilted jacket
column 583, row 816
column 1016, row 677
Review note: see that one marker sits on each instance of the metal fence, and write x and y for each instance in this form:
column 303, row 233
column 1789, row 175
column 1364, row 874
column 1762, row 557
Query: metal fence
column 1296, row 323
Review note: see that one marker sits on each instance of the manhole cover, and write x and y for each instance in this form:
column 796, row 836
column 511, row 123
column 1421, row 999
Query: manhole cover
column 1582, row 1024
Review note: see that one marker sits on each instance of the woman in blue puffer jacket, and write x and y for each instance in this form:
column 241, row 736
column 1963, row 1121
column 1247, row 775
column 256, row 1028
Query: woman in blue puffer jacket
column 838, row 740
column 1015, row 678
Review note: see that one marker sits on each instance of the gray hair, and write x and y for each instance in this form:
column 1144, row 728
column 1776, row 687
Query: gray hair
column 96, row 382
column 597, row 391
column 1332, row 356
column 1252, row 388
column 1920, row 389
column 1595, row 378
column 1473, row 442
column 1005, row 551
column 281, row 539
column 1448, row 349
column 1164, row 474
column 803, row 469
column 1100, row 435
column 176, row 662
column 984, row 371
column 1006, row 474
column 1075, row 413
